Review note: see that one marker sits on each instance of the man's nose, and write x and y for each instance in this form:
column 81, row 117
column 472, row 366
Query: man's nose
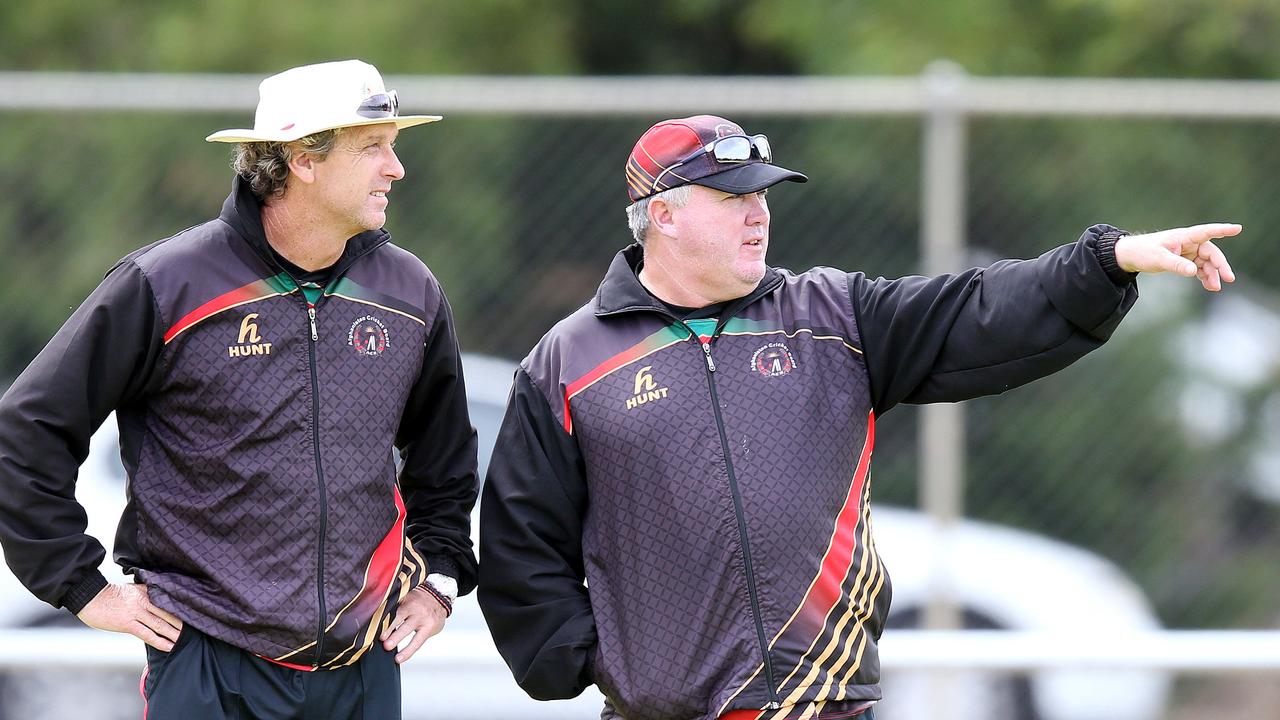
column 759, row 209
column 394, row 169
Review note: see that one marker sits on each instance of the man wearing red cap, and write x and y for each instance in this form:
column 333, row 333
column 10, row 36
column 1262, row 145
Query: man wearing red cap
column 263, row 367
column 677, row 509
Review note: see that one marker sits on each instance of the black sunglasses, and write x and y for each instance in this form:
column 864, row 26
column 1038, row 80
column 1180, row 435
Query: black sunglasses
column 729, row 149
column 382, row 105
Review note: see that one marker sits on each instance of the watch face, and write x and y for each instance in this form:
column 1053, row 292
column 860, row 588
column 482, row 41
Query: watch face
column 444, row 585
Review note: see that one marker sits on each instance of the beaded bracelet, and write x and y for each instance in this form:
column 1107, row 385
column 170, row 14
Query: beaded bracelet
column 440, row 598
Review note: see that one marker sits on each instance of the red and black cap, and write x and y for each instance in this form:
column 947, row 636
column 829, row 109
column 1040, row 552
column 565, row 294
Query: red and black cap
column 674, row 153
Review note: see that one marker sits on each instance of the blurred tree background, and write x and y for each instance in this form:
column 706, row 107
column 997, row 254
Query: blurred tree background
column 1100, row 38
column 1147, row 452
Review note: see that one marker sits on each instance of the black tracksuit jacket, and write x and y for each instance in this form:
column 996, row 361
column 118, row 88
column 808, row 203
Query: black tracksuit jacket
column 257, row 431
column 678, row 510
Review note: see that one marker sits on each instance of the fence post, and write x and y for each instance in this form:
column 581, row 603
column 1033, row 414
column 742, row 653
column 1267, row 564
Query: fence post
column 942, row 461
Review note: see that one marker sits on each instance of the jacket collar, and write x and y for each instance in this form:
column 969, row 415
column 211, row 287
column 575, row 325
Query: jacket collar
column 243, row 212
column 621, row 291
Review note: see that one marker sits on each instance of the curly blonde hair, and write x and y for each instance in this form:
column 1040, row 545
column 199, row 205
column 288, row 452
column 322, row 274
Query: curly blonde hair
column 265, row 165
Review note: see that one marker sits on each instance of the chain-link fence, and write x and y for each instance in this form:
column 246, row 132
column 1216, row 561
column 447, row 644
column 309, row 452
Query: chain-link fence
column 1157, row 452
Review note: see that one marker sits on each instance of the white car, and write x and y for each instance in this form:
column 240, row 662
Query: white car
column 999, row 577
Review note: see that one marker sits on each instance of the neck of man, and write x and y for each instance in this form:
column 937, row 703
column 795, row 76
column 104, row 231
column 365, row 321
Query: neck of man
column 657, row 277
column 300, row 237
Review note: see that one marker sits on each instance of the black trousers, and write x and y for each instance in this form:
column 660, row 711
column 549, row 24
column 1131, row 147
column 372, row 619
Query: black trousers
column 206, row 679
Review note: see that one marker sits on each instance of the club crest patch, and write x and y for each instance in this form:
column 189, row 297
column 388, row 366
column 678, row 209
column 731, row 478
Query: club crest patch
column 368, row 336
column 773, row 360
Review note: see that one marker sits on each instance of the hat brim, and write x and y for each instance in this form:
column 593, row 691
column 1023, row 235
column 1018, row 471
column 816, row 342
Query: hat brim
column 241, row 135
column 749, row 178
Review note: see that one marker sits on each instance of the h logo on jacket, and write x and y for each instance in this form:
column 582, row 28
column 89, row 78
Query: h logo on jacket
column 645, row 390
column 249, row 342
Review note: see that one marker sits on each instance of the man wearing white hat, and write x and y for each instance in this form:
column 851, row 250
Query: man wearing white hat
column 263, row 367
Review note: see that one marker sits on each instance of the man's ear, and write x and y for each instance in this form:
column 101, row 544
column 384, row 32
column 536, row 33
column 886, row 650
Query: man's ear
column 303, row 165
column 662, row 216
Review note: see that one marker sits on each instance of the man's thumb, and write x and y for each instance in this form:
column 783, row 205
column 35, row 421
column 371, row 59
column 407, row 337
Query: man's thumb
column 1182, row 266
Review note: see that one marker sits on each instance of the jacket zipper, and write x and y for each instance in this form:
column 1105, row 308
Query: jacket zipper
column 324, row 509
column 315, row 432
column 742, row 521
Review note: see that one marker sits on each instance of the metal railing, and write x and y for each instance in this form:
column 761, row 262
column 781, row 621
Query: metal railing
column 1181, row 651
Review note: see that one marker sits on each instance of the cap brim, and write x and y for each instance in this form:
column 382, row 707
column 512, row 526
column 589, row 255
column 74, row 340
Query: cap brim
column 240, row 135
column 749, row 178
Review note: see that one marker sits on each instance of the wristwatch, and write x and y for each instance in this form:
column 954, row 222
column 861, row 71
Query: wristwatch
column 444, row 585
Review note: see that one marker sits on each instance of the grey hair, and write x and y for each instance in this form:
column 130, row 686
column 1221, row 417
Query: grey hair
column 638, row 211
column 265, row 165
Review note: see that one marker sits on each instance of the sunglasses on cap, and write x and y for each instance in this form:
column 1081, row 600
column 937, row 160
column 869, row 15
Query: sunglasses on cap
column 728, row 149
column 382, row 105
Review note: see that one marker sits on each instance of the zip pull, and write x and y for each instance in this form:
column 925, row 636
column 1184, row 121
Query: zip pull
column 706, row 350
column 311, row 315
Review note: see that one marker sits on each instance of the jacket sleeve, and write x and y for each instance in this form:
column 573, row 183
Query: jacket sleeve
column 438, row 445
column 103, row 357
column 532, row 586
column 987, row 330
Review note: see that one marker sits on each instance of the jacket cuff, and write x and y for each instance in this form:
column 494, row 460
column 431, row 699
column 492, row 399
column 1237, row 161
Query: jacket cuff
column 1104, row 247
column 84, row 591
column 442, row 564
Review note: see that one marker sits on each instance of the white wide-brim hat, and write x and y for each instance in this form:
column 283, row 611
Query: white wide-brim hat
column 312, row 98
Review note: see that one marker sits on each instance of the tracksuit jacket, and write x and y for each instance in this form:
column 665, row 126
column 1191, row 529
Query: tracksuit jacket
column 257, row 429
column 678, row 510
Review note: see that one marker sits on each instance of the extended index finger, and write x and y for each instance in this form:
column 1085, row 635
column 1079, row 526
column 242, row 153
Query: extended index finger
column 1209, row 231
